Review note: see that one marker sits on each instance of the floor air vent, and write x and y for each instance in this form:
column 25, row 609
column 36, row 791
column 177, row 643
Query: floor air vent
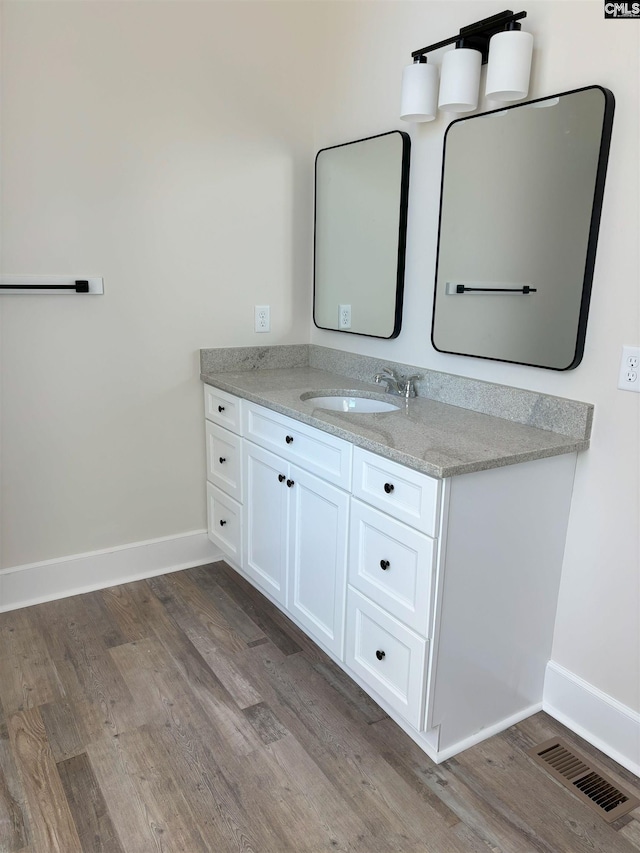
column 576, row 773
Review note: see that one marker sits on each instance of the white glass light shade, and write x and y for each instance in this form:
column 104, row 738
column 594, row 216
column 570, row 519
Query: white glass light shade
column 509, row 66
column 460, row 80
column 419, row 92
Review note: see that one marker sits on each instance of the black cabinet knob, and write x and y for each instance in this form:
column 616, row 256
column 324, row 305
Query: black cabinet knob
column 388, row 487
column 384, row 565
column 221, row 408
column 290, row 483
column 281, row 478
column 379, row 654
column 222, row 460
column 289, row 439
column 222, row 522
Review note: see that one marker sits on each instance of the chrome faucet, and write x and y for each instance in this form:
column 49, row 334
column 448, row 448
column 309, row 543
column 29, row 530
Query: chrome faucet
column 401, row 386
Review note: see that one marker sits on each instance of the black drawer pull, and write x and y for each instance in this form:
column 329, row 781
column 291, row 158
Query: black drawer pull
column 380, row 654
column 221, row 408
column 281, row 478
column 289, row 439
column 222, row 460
column 222, row 522
column 384, row 565
column 290, row 483
column 388, row 487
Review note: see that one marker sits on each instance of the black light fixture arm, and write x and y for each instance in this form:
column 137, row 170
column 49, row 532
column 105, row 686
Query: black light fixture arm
column 477, row 35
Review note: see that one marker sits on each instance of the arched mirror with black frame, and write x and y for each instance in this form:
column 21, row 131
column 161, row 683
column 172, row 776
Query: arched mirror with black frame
column 521, row 199
column 361, row 194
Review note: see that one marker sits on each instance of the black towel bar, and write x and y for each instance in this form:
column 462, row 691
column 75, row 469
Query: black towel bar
column 461, row 288
column 80, row 286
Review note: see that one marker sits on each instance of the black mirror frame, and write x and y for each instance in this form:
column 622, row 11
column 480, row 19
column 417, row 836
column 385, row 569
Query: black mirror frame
column 592, row 242
column 402, row 232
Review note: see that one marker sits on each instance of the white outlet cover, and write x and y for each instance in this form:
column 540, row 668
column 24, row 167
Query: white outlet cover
column 262, row 318
column 629, row 376
column 344, row 316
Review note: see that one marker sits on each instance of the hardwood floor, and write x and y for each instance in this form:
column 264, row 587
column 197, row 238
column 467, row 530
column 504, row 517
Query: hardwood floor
column 185, row 713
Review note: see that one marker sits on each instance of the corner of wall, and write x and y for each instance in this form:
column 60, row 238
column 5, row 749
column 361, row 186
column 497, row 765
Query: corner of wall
column 600, row 719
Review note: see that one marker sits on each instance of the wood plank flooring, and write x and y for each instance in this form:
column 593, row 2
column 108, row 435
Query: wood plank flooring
column 186, row 713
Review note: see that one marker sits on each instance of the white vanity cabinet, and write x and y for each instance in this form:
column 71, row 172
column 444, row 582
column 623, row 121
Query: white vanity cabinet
column 296, row 520
column 437, row 596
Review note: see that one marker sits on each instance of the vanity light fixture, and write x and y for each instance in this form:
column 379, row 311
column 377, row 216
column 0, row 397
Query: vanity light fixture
column 497, row 40
column 460, row 79
column 419, row 91
column 509, row 67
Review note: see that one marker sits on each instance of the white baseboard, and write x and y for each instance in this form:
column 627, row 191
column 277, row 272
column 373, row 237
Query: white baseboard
column 600, row 719
column 449, row 751
column 21, row 586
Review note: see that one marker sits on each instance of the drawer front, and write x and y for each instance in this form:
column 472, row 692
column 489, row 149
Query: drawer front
column 224, row 517
column 389, row 657
column 222, row 408
column 392, row 564
column 315, row 451
column 405, row 494
column 224, row 460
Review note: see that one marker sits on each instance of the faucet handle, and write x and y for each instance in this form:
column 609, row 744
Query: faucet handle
column 388, row 369
column 396, row 382
column 409, row 385
column 385, row 374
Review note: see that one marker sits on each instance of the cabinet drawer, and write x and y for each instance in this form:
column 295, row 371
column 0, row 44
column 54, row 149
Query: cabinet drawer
column 224, row 460
column 315, row 451
column 405, row 494
column 392, row 564
column 389, row 657
column 222, row 408
column 224, row 522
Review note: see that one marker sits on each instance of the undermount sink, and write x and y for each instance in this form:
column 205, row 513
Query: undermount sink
column 350, row 403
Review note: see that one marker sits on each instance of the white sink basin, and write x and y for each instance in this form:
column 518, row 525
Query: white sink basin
column 350, row 403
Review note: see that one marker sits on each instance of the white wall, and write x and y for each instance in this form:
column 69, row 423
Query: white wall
column 169, row 147
column 166, row 147
column 597, row 630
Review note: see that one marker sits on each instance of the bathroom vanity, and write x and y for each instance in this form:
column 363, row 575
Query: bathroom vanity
column 420, row 548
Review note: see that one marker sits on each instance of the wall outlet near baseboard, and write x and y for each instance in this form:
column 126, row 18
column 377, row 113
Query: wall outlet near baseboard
column 629, row 376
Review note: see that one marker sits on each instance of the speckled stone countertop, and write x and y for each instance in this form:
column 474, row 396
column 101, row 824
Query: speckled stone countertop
column 436, row 438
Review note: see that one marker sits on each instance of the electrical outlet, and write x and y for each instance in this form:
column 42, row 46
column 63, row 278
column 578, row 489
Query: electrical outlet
column 628, row 378
column 262, row 318
column 344, row 316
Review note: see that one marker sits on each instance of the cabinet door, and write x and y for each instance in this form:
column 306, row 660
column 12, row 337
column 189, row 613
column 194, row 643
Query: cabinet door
column 319, row 519
column 266, row 519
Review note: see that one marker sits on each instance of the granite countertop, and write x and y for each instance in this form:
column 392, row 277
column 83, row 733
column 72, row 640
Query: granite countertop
column 436, row 438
